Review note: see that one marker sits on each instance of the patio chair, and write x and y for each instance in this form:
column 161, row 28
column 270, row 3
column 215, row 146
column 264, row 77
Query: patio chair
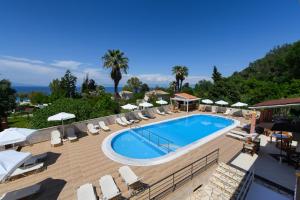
column 227, row 112
column 168, row 111
column 56, row 138
column 35, row 159
column 120, row 122
column 159, row 112
column 86, row 192
column 108, row 187
column 129, row 177
column 24, row 171
column 213, row 109
column 71, row 134
column 103, row 126
column 92, row 130
column 126, row 121
column 22, row 193
column 140, row 115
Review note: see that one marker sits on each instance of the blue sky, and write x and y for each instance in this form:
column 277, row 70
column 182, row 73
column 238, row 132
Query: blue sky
column 39, row 40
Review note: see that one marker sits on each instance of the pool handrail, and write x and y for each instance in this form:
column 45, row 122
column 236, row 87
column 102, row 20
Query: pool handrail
column 149, row 136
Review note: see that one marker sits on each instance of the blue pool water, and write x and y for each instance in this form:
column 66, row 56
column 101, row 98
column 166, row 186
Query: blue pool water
column 159, row 139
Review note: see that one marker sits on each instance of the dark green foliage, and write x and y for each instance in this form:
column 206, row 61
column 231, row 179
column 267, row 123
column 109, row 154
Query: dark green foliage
column 68, row 84
column 134, row 84
column 144, row 88
column 82, row 108
column 180, row 72
column 7, row 97
column 187, row 89
column 88, row 85
column 275, row 76
column 38, row 98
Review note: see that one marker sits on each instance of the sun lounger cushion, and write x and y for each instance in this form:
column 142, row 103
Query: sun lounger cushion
column 108, row 187
column 22, row 171
column 21, row 193
column 71, row 134
column 35, row 159
column 92, row 130
column 142, row 116
column 120, row 122
column 55, row 138
column 128, row 175
column 103, row 126
column 86, row 192
column 126, row 121
column 159, row 112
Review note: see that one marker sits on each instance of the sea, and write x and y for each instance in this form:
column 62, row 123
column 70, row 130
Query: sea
column 46, row 89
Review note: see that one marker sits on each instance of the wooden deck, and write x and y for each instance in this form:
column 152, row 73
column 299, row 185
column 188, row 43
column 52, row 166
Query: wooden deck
column 74, row 164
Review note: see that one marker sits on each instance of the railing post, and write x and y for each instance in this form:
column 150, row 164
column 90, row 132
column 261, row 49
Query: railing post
column 192, row 171
column 173, row 182
column 149, row 193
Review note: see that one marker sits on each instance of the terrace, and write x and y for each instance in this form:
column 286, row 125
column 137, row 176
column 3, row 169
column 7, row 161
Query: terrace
column 74, row 164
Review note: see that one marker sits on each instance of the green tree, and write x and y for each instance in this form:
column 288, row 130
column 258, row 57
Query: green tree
column 38, row 98
column 180, row 72
column 88, row 85
column 144, row 88
column 135, row 84
column 216, row 75
column 117, row 62
column 68, row 83
column 202, row 88
column 56, row 90
column 7, row 97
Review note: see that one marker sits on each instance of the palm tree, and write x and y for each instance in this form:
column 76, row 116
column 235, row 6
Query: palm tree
column 118, row 63
column 180, row 72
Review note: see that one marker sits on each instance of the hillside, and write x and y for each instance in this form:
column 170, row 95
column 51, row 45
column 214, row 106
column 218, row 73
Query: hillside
column 281, row 64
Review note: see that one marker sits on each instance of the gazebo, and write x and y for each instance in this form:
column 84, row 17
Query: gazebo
column 185, row 101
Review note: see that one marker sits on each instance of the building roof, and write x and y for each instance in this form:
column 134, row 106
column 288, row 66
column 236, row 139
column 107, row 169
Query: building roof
column 185, row 97
column 126, row 92
column 160, row 92
column 278, row 103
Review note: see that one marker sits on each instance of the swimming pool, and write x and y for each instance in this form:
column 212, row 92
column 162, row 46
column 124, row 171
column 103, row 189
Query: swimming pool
column 166, row 140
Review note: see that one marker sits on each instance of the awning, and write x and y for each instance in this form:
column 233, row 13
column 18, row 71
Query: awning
column 277, row 103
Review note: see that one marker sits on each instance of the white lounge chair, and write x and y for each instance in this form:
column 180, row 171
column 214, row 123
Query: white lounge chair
column 92, row 130
column 126, row 121
column 142, row 116
column 71, row 134
column 56, row 138
column 227, row 112
column 24, row 171
column 35, row 159
column 108, row 187
column 103, row 126
column 120, row 122
column 214, row 109
column 21, row 193
column 86, row 192
column 128, row 175
column 236, row 136
column 159, row 112
column 249, row 135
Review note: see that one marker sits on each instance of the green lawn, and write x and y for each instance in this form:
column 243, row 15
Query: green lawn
column 19, row 121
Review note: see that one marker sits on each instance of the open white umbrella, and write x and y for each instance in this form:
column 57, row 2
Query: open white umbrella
column 15, row 135
column 10, row 160
column 61, row 117
column 221, row 102
column 207, row 101
column 162, row 102
column 129, row 107
column 145, row 105
column 239, row 104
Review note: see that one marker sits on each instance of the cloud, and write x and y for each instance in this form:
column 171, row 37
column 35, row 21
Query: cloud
column 66, row 64
column 23, row 59
column 36, row 72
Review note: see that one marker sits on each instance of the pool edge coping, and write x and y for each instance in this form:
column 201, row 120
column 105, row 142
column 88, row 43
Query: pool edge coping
column 111, row 154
